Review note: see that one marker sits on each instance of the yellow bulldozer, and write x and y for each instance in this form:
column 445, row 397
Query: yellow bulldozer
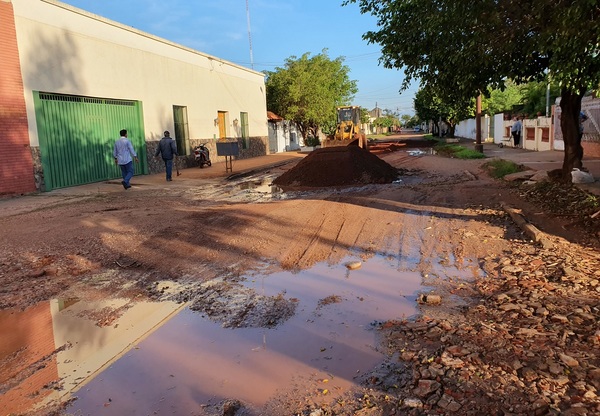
column 347, row 131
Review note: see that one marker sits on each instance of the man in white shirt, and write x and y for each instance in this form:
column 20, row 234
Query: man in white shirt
column 124, row 155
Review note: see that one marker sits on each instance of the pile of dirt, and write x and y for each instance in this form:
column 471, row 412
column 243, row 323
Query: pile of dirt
column 338, row 166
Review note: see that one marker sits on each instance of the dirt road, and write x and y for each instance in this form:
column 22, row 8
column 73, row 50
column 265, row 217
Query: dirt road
column 440, row 211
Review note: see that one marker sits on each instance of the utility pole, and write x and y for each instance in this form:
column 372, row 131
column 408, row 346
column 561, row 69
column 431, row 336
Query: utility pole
column 478, row 144
column 249, row 35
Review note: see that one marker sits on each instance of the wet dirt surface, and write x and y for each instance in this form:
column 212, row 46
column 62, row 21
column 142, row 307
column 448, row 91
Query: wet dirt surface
column 228, row 252
column 330, row 336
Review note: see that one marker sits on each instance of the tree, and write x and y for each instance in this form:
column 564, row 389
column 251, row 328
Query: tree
column 383, row 123
column 406, row 120
column 501, row 100
column 535, row 95
column 462, row 47
column 365, row 117
column 431, row 106
column 308, row 89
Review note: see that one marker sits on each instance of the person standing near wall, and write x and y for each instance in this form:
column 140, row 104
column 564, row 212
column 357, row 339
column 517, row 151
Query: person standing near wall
column 515, row 131
column 582, row 119
column 168, row 149
column 124, row 155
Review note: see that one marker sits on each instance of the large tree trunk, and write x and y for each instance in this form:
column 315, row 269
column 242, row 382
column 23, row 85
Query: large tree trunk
column 570, row 104
column 451, row 131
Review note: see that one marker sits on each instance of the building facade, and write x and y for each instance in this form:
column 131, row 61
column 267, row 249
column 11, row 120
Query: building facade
column 71, row 80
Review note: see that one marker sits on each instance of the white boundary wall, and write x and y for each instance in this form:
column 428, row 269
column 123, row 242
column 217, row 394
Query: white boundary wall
column 66, row 50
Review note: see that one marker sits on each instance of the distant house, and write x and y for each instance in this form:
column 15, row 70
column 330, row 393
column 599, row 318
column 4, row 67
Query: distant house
column 284, row 135
column 71, row 80
column 376, row 113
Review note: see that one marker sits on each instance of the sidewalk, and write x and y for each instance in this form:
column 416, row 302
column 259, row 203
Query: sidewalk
column 14, row 205
column 546, row 160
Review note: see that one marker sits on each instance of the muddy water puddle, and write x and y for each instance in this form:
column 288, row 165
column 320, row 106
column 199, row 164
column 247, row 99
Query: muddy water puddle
column 328, row 342
column 164, row 358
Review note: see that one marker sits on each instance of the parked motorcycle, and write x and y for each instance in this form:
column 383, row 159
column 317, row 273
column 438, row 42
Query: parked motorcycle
column 202, row 155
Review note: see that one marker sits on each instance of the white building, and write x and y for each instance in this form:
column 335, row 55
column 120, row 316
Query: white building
column 84, row 77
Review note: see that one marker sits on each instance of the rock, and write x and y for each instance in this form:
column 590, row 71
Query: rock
column 452, row 362
column 560, row 318
column 353, row 265
column 568, row 360
column 426, row 387
column 230, row 407
column 514, row 270
column 540, row 176
column 509, row 307
column 556, row 369
column 528, row 374
column 458, row 351
column 519, row 176
column 413, row 403
column 429, row 299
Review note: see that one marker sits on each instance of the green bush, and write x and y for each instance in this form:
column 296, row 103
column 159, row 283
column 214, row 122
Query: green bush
column 312, row 142
column 499, row 168
column 457, row 151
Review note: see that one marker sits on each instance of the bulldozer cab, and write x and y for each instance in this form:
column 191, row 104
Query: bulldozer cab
column 349, row 114
column 348, row 128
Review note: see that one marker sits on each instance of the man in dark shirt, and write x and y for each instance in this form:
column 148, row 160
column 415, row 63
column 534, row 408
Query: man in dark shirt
column 168, row 149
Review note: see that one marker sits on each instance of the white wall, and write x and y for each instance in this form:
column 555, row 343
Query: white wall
column 498, row 128
column 69, row 51
column 467, row 129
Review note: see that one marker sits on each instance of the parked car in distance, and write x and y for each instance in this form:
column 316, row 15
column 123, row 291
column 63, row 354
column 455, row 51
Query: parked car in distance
column 417, row 129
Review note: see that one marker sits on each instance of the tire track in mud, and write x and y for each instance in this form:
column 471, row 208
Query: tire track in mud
column 330, row 239
column 419, row 235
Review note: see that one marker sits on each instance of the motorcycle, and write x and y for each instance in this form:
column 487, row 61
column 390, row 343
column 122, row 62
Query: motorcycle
column 202, row 155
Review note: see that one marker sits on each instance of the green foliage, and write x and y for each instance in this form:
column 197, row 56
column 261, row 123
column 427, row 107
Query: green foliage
column 535, row 97
column 429, row 105
column 499, row 168
column 385, row 121
column 312, row 141
column 409, row 121
column 460, row 48
column 308, row 89
column 501, row 100
column 457, row 151
column 364, row 116
column 529, row 98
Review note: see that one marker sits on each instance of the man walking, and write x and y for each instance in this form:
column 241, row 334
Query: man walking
column 168, row 149
column 124, row 155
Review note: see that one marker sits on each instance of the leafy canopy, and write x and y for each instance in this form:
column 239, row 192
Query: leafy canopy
column 461, row 47
column 429, row 105
column 308, row 89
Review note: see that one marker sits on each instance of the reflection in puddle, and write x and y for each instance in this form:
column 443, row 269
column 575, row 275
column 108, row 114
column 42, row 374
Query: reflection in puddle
column 159, row 358
column 191, row 361
column 51, row 349
column 263, row 185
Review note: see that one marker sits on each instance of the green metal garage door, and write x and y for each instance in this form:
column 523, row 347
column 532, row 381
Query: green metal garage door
column 77, row 135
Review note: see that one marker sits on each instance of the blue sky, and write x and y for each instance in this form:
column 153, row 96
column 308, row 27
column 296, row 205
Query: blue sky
column 279, row 29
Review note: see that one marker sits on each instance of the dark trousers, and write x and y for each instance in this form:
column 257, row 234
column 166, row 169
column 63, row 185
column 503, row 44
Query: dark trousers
column 169, row 168
column 516, row 138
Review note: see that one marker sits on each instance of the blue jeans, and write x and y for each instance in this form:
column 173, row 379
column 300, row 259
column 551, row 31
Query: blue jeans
column 127, row 172
column 169, row 167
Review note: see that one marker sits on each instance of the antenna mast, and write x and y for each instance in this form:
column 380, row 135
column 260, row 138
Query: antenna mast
column 249, row 35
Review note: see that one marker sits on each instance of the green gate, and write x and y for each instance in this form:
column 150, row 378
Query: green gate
column 77, row 135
